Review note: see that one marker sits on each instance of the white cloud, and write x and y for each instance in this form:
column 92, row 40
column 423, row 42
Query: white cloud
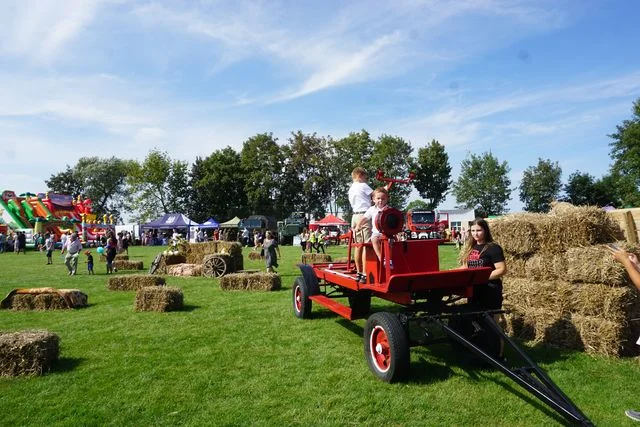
column 40, row 29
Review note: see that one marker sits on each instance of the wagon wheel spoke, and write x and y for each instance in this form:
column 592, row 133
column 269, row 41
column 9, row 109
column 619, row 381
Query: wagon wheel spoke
column 219, row 266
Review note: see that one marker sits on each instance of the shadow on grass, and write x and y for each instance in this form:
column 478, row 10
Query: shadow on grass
column 350, row 325
column 189, row 308
column 66, row 364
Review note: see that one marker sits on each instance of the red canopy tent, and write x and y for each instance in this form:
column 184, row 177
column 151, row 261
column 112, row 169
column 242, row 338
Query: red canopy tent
column 327, row 221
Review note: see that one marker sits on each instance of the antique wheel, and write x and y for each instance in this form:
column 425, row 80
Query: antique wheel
column 215, row 266
column 386, row 347
column 155, row 264
column 301, row 301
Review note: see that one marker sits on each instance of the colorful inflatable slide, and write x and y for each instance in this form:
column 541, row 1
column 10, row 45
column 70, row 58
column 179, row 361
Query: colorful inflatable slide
column 54, row 213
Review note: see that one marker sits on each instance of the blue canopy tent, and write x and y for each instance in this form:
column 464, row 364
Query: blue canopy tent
column 170, row 221
column 210, row 223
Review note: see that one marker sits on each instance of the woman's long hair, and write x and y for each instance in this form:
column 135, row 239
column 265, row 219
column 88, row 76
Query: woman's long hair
column 468, row 245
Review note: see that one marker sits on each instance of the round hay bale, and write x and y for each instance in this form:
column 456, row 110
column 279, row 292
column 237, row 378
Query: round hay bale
column 158, row 298
column 315, row 258
column 123, row 257
column 128, row 265
column 185, row 270
column 27, row 352
column 251, row 282
column 133, row 282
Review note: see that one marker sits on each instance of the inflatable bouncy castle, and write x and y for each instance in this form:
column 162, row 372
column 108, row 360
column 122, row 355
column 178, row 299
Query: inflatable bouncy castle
column 53, row 213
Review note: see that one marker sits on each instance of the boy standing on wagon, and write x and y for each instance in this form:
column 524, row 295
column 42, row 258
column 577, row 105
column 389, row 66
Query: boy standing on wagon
column 380, row 200
column 360, row 199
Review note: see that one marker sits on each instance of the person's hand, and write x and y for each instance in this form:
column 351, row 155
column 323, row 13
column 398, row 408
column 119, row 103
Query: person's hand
column 621, row 255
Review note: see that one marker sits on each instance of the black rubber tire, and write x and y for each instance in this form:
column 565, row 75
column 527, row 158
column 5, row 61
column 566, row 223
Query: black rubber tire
column 301, row 302
column 386, row 347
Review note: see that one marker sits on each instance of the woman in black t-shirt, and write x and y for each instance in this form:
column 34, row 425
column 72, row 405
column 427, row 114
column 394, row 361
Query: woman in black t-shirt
column 481, row 251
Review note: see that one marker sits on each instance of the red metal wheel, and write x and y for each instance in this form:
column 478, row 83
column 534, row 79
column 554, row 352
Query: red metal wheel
column 379, row 348
column 301, row 301
column 386, row 347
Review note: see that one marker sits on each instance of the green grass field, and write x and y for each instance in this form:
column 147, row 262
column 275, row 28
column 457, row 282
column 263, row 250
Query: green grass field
column 240, row 358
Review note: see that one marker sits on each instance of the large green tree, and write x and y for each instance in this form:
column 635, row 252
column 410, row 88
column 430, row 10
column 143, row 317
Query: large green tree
column 261, row 159
column 433, row 173
column 65, row 182
column 218, row 186
column 306, row 167
column 625, row 152
column 392, row 155
column 581, row 189
column 158, row 185
column 101, row 180
column 483, row 184
column 540, row 185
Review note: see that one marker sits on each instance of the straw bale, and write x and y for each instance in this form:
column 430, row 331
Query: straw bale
column 124, row 257
column 315, row 258
column 27, row 352
column 174, row 259
column 49, row 301
column 516, row 264
column 159, row 298
column 255, row 256
column 618, row 304
column 545, row 266
column 518, row 233
column 133, row 282
column 20, row 302
column 197, row 251
column 185, row 270
column 594, row 264
column 342, row 260
column 251, row 282
column 128, row 265
column 75, row 297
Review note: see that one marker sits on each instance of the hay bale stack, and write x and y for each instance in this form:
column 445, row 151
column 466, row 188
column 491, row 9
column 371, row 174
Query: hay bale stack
column 159, row 298
column 315, row 258
column 251, row 282
column 568, row 293
column 124, row 257
column 254, row 256
column 517, row 233
column 216, row 265
column 27, row 352
column 134, row 282
column 173, row 259
column 197, row 251
column 342, row 260
column 128, row 265
column 185, row 270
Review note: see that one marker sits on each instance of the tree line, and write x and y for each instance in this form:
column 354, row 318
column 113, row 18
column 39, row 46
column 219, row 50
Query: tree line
column 311, row 173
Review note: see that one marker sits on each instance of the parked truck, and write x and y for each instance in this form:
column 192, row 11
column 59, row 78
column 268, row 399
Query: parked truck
column 291, row 227
column 426, row 224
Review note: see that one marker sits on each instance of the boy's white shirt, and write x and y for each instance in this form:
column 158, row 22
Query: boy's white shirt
column 360, row 196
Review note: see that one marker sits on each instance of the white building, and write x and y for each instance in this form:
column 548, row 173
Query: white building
column 458, row 218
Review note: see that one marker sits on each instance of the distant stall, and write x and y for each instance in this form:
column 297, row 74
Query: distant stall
column 172, row 221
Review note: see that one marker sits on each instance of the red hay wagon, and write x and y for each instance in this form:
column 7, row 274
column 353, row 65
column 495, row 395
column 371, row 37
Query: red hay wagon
column 434, row 306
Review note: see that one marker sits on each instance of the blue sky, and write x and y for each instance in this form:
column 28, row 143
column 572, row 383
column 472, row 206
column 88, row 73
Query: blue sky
column 523, row 79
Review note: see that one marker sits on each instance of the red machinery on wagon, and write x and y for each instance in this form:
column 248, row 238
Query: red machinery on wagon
column 430, row 300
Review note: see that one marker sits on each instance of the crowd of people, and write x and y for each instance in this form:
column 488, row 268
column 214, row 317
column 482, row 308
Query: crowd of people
column 13, row 242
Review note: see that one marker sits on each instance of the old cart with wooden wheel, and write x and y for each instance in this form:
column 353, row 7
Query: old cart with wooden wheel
column 217, row 265
column 435, row 306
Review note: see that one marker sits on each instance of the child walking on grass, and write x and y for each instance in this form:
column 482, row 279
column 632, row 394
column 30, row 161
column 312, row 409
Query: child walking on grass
column 89, row 261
